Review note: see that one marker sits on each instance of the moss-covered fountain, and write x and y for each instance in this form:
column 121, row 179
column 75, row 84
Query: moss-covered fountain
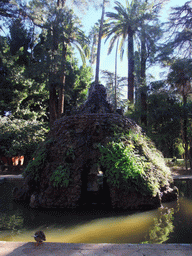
column 96, row 156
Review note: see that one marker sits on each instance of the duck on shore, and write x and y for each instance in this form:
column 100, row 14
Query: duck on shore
column 39, row 236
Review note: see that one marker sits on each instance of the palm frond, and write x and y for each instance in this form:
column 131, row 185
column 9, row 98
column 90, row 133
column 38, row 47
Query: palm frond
column 81, row 52
column 112, row 42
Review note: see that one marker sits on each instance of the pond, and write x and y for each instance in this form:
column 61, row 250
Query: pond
column 171, row 223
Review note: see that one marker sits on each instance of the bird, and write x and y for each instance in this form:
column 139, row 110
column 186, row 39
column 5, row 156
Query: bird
column 39, row 236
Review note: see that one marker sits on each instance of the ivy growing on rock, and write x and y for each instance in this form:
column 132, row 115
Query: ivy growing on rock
column 124, row 168
column 36, row 165
column 132, row 162
column 61, row 176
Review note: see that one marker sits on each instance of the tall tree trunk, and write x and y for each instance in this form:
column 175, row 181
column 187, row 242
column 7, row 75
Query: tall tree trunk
column 116, row 74
column 130, row 67
column 185, row 137
column 99, row 44
column 52, row 92
column 62, row 88
column 143, row 81
column 190, row 152
column 61, row 2
column 52, row 104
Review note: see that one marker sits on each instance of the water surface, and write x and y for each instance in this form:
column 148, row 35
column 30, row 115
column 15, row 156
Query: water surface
column 168, row 224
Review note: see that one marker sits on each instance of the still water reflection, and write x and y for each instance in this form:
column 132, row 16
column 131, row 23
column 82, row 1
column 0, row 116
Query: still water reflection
column 169, row 224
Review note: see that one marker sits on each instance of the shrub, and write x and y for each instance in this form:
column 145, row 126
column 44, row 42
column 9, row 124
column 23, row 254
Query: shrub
column 61, row 176
column 36, row 165
column 132, row 161
column 20, row 137
column 124, row 168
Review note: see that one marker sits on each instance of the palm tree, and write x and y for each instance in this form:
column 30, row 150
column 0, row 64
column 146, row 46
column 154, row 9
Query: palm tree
column 66, row 31
column 149, row 35
column 99, row 43
column 116, row 73
column 93, row 37
column 123, row 24
column 62, row 29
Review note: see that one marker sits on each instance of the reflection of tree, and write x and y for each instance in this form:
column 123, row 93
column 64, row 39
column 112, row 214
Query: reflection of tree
column 11, row 222
column 162, row 227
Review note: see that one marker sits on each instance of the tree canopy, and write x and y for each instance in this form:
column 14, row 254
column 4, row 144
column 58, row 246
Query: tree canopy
column 47, row 56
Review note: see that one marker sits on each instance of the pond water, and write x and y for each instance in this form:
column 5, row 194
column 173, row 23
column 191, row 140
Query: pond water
column 171, row 223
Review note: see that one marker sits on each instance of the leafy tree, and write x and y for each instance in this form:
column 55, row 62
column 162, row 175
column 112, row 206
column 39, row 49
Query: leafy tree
column 20, row 95
column 62, row 28
column 164, row 118
column 180, row 29
column 180, row 76
column 149, row 35
column 19, row 36
column 20, row 137
column 77, row 82
column 179, row 32
column 7, row 9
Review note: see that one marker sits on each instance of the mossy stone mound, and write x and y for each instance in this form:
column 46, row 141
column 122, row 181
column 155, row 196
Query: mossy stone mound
column 96, row 157
column 67, row 167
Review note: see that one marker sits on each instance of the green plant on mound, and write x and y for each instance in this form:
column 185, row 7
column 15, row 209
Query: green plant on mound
column 61, row 176
column 158, row 171
column 125, row 169
column 36, row 165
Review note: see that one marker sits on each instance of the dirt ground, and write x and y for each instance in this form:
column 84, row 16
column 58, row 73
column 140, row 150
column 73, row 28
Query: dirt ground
column 180, row 171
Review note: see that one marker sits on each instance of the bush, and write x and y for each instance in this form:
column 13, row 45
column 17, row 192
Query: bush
column 36, row 165
column 131, row 161
column 124, row 168
column 20, row 137
column 61, row 176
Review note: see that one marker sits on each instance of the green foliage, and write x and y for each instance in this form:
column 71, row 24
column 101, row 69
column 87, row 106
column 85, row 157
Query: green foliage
column 11, row 222
column 37, row 164
column 77, row 83
column 61, row 176
column 19, row 37
column 20, row 137
column 124, row 168
column 131, row 161
column 20, row 94
column 156, row 170
column 180, row 31
column 163, row 118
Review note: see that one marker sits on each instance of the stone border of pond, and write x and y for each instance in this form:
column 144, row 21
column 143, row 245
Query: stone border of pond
column 48, row 249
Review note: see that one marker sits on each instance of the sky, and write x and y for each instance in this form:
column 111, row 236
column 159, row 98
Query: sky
column 107, row 61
